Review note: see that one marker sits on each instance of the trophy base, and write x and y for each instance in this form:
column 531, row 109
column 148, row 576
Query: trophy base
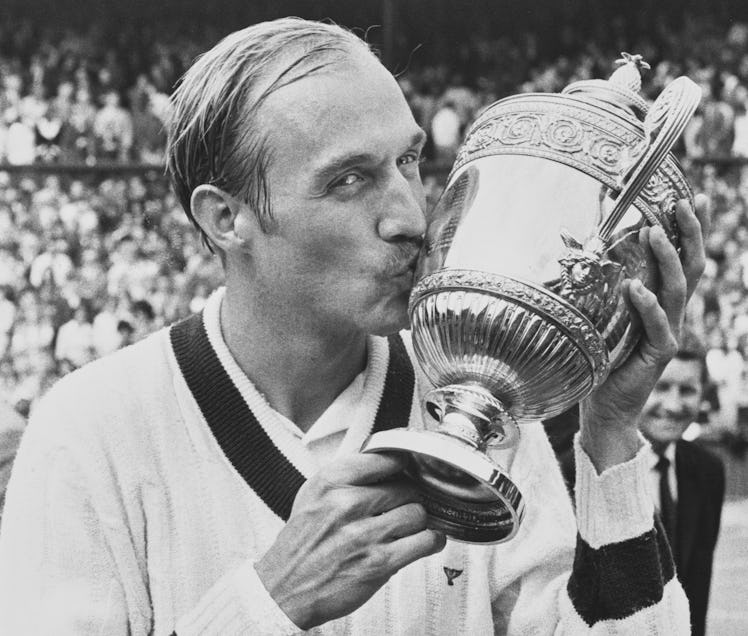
column 467, row 496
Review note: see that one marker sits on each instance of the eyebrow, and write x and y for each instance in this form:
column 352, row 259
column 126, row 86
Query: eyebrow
column 336, row 164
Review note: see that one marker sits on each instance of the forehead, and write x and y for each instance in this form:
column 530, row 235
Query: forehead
column 680, row 371
column 353, row 105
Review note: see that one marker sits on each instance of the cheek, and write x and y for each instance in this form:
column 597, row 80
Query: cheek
column 652, row 405
column 335, row 246
column 692, row 405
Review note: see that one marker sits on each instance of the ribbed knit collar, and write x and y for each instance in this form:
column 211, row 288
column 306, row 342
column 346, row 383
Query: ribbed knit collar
column 230, row 405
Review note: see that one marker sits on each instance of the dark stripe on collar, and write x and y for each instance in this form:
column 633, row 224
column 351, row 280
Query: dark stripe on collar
column 397, row 395
column 241, row 437
column 618, row 580
column 244, row 442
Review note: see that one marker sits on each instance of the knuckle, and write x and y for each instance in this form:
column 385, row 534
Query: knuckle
column 648, row 299
column 669, row 347
column 418, row 515
column 378, row 560
column 343, row 499
column 353, row 537
column 698, row 265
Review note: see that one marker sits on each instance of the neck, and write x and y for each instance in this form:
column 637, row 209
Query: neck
column 659, row 447
column 300, row 370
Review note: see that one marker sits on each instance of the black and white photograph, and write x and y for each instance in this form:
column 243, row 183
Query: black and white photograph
column 373, row 318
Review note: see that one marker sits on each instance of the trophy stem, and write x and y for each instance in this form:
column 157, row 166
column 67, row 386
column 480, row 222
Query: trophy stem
column 471, row 414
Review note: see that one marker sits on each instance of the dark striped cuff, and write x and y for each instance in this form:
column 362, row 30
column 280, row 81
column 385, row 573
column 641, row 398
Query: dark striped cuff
column 620, row 579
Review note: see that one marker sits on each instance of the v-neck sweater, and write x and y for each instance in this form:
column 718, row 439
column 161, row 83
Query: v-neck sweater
column 125, row 515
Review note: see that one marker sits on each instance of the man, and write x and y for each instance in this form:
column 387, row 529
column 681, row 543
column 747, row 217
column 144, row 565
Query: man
column 688, row 482
column 207, row 480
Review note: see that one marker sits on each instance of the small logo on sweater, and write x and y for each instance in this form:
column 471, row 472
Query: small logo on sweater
column 452, row 574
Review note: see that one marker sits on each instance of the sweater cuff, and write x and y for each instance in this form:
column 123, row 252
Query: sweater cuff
column 238, row 603
column 615, row 505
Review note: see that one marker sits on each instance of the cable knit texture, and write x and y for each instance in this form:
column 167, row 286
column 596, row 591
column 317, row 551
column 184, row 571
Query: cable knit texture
column 124, row 515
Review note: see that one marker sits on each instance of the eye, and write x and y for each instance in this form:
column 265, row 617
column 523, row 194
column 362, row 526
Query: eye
column 409, row 158
column 346, row 180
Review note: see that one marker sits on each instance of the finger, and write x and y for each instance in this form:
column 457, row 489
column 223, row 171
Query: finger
column 659, row 343
column 363, row 469
column 703, row 211
column 672, row 288
column 404, row 551
column 380, row 499
column 692, row 253
column 400, row 522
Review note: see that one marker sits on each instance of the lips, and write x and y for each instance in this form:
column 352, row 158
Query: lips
column 670, row 423
column 404, row 266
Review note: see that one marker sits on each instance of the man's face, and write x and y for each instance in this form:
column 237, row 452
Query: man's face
column 674, row 403
column 346, row 199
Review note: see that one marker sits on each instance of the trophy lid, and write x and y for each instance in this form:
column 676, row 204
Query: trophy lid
column 621, row 90
column 598, row 127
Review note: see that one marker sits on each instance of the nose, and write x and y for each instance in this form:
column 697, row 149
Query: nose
column 403, row 215
column 670, row 401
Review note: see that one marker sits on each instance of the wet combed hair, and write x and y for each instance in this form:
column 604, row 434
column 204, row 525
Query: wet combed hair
column 213, row 137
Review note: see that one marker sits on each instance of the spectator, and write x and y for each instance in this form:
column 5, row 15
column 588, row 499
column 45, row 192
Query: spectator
column 106, row 338
column 445, row 132
column 80, row 143
column 7, row 319
column 113, row 129
column 75, row 340
column 726, row 367
column 53, row 264
column 688, row 482
column 20, row 141
column 126, row 333
column 143, row 319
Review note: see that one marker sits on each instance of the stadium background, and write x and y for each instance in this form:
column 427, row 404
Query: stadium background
column 96, row 253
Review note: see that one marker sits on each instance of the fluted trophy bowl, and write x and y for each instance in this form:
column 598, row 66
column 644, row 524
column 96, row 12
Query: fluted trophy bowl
column 518, row 312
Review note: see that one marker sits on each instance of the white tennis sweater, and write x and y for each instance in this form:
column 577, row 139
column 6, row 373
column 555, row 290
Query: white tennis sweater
column 124, row 516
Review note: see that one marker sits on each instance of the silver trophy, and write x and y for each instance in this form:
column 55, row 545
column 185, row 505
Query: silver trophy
column 517, row 312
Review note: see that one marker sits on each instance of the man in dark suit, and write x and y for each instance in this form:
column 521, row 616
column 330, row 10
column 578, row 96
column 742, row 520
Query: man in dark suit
column 691, row 505
column 688, row 482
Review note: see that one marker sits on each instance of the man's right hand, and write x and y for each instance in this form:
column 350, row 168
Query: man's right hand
column 352, row 526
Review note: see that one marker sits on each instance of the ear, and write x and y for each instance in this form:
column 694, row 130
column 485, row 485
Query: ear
column 220, row 216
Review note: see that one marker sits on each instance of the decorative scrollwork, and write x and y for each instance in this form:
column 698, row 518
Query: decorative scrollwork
column 576, row 133
column 565, row 134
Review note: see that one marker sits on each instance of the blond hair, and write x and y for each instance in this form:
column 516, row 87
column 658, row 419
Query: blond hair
column 213, row 137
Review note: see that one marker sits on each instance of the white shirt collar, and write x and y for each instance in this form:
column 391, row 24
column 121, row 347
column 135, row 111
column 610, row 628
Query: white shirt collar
column 357, row 404
column 654, row 457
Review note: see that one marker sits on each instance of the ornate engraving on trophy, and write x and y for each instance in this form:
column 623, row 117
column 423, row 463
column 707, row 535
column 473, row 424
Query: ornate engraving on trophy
column 585, row 270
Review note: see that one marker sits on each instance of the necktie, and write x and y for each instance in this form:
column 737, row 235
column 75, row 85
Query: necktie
column 667, row 504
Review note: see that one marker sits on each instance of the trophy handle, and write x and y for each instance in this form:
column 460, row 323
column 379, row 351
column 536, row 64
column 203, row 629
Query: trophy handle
column 663, row 124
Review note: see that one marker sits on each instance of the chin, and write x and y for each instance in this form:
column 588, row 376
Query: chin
column 666, row 432
column 388, row 328
column 390, row 321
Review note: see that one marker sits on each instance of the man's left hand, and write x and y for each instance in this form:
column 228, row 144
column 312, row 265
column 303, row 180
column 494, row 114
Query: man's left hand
column 609, row 417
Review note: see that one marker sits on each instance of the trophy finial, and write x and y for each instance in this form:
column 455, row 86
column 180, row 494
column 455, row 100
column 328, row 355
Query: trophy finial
column 628, row 75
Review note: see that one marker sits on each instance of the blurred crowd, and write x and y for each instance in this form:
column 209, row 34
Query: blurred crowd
column 102, row 95
column 86, row 268
column 91, row 263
